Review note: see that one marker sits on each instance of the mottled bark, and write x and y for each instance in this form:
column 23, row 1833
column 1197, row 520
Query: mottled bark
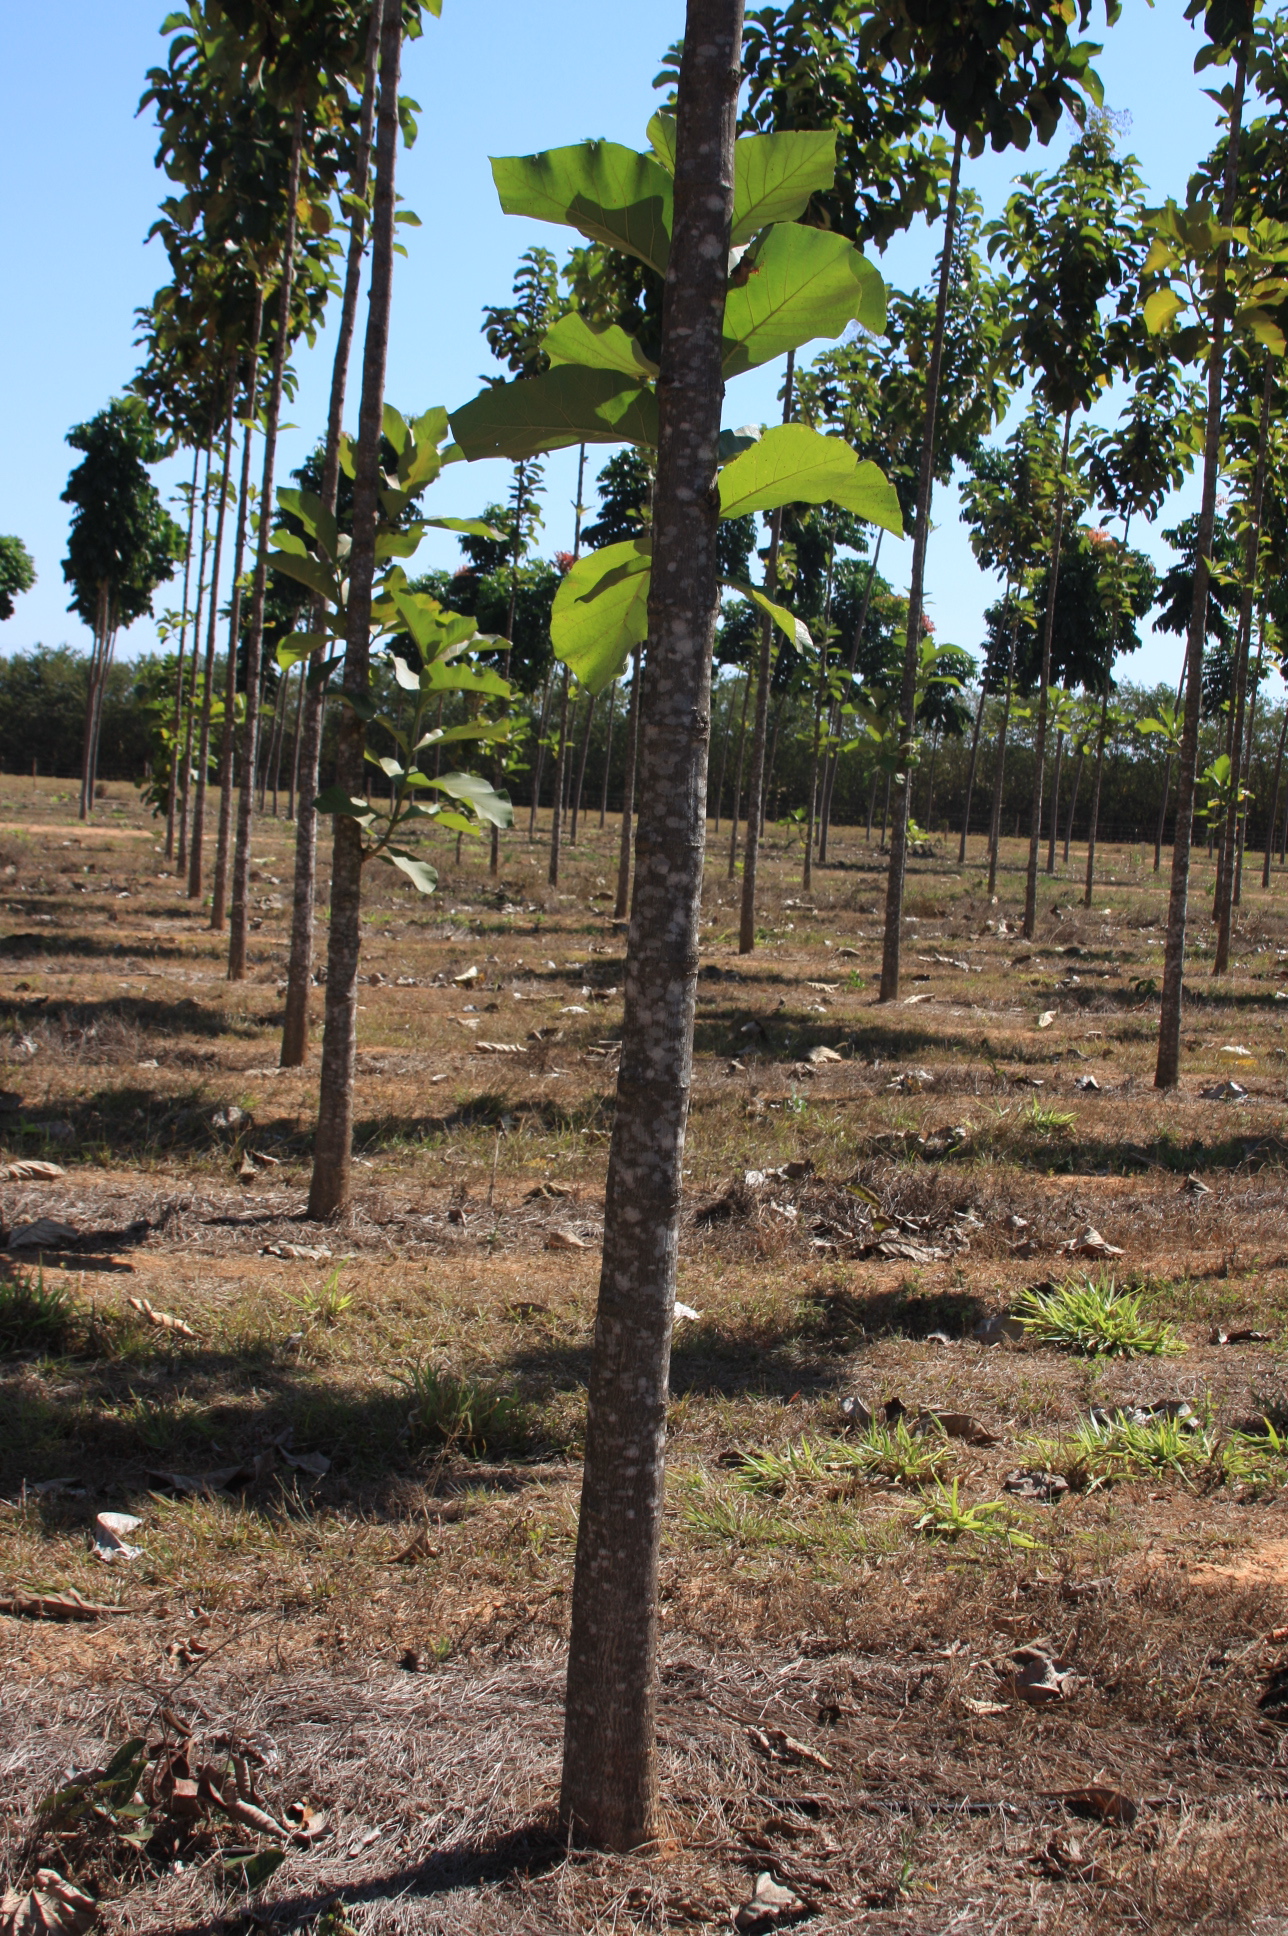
column 331, row 1183
column 223, row 842
column 239, row 907
column 626, row 845
column 970, row 776
column 760, row 725
column 299, row 973
column 1044, row 682
column 172, row 791
column 610, row 1777
column 581, row 771
column 1230, row 844
column 208, row 668
column 1167, row 1069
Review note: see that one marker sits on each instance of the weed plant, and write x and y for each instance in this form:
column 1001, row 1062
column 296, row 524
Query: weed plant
column 1093, row 1316
column 462, row 1414
column 33, row 1318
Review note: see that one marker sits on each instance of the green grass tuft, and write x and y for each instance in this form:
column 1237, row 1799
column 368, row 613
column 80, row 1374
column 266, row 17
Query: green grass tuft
column 461, row 1413
column 35, row 1319
column 1093, row 1316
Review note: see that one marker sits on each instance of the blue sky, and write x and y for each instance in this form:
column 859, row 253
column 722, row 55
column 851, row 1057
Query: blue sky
column 507, row 78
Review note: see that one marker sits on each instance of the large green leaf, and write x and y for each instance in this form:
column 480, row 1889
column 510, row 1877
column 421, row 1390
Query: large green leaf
column 799, row 283
column 418, row 872
column 792, row 464
column 601, row 610
column 565, row 406
column 314, row 516
column 793, row 629
column 487, row 803
column 469, row 527
column 774, row 177
column 611, row 193
column 574, row 340
column 307, row 571
column 661, row 132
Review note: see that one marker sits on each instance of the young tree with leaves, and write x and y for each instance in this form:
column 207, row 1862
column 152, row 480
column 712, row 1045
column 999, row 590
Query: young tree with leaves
column 17, row 573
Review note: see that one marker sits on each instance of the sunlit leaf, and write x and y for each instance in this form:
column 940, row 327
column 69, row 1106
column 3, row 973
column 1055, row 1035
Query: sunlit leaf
column 601, row 610
column 486, row 801
column 793, row 629
column 792, row 464
column 1161, row 310
column 610, row 193
column 418, row 872
column 796, row 284
column 564, row 406
column 774, row 177
column 573, row 340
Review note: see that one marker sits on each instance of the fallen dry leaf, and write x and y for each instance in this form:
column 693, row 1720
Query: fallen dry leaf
column 164, row 1319
column 31, row 1169
column 1046, row 1018
column 53, row 1908
column 780, row 1746
column 955, row 1425
column 819, row 1055
column 1036, row 1677
column 769, row 1907
column 1106, row 1804
column 55, row 1606
column 566, row 1240
column 110, row 1543
column 469, row 975
column 419, row 1548
column 1090, row 1243
column 44, row 1234
column 985, row 1707
column 499, row 1048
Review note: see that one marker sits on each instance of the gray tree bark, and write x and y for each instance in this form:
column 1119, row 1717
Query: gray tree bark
column 610, row 1777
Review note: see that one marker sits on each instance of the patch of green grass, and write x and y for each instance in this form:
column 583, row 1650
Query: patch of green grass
column 1258, row 1459
column 1093, row 1316
column 461, row 1413
column 1123, row 1449
column 33, row 1318
column 881, row 1452
column 989, row 1519
column 1046, row 1122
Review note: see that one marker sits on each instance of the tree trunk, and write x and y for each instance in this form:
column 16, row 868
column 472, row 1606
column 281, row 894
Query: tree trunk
column 299, row 974
column 1055, row 804
column 1039, row 744
column 610, row 1779
column 999, row 769
column 541, row 760
column 885, row 810
column 736, row 805
column 556, row 805
column 1274, row 801
column 183, row 717
column 628, row 791
column 1167, row 1069
column 581, row 771
column 1073, row 801
column 223, row 843
column 208, row 669
column 330, row 1188
column 930, row 780
column 834, row 754
column 872, row 800
column 1162, row 815
column 1095, row 798
column 912, row 646
column 970, row 776
column 772, row 763
column 1242, row 836
column 1230, row 833
column 807, row 871
column 178, row 679
column 239, row 909
column 760, row 728
column 608, row 756
column 295, row 743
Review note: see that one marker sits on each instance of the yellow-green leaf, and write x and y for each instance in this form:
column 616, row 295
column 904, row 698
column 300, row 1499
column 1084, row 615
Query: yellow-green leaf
column 797, row 284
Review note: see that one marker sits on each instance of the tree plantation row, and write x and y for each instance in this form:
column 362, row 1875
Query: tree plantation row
column 721, row 646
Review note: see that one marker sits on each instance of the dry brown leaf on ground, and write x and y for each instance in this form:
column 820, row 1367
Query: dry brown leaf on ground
column 820, row 1054
column 164, row 1319
column 566, row 1240
column 44, row 1234
column 499, row 1048
column 55, row 1606
column 1046, row 1018
column 1090, row 1243
column 469, row 975
column 31, row 1169
column 780, row 1746
column 53, row 1908
column 769, row 1907
column 1106, row 1804
column 1037, row 1678
column 110, row 1542
column 955, row 1425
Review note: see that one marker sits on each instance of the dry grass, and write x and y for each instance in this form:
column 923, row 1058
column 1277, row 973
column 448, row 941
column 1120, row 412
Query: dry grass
column 903, row 1195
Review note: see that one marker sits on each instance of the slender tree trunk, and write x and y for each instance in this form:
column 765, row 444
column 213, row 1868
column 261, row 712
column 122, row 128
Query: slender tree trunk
column 295, row 742
column 183, row 719
column 760, row 728
column 178, row 677
column 999, row 769
column 930, row 779
column 1167, row 1069
column 970, row 776
column 608, row 756
column 239, row 907
column 737, row 780
column 1039, row 745
column 834, row 755
column 872, row 801
column 628, row 790
column 908, row 693
column 725, row 743
column 208, row 670
column 223, row 843
column 885, row 810
column 330, row 1188
column 766, row 789
column 1095, row 797
column 556, row 805
column 1230, row 833
column 541, row 760
column 807, row 871
column 1162, row 815
column 1073, row 801
column 1055, row 804
column 91, row 689
column 521, row 481
column 1274, row 801
column 581, row 771
column 610, row 1778
column 1247, row 756
column 299, row 974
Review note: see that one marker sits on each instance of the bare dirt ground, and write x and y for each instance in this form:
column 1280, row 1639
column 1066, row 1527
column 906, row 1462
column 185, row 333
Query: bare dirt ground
column 355, row 1459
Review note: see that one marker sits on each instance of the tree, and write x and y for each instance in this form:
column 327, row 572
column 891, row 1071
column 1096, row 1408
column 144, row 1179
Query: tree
column 17, row 573
column 1074, row 239
column 996, row 75
column 121, row 546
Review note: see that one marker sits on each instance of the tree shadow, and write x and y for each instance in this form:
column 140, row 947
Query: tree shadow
column 89, row 947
